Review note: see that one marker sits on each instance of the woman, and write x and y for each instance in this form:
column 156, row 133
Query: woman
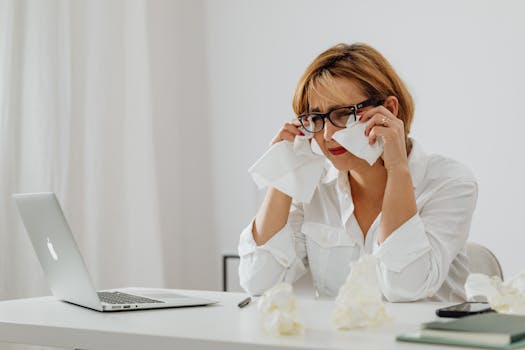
column 411, row 210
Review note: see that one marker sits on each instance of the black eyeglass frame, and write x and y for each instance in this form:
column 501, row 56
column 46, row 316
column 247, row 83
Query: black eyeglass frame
column 354, row 108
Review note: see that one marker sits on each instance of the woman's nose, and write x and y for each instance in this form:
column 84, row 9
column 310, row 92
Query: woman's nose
column 329, row 130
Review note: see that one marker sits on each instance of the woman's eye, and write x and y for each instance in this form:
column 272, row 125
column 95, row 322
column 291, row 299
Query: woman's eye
column 342, row 114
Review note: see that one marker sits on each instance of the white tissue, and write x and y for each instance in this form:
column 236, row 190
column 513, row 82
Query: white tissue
column 505, row 297
column 353, row 138
column 359, row 302
column 279, row 310
column 292, row 168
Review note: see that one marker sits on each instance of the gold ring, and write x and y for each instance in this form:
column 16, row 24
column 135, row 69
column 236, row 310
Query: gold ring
column 384, row 121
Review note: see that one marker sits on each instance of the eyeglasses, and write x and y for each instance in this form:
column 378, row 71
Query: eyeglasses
column 339, row 117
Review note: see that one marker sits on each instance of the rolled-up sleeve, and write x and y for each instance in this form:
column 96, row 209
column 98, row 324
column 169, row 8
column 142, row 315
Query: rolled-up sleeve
column 282, row 258
column 415, row 259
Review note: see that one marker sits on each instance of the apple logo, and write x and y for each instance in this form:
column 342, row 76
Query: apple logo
column 51, row 249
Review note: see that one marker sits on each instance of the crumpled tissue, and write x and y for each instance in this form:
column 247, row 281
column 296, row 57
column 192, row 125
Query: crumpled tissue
column 353, row 138
column 292, row 168
column 278, row 309
column 359, row 302
column 505, row 297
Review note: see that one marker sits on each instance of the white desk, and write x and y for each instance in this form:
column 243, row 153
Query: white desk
column 49, row 322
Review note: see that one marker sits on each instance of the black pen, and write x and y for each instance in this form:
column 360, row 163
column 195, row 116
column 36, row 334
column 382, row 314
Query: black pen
column 244, row 302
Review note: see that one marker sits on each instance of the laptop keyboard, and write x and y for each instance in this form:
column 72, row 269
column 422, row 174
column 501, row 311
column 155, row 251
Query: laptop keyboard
column 123, row 298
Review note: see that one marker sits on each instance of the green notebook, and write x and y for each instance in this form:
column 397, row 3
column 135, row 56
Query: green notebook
column 491, row 330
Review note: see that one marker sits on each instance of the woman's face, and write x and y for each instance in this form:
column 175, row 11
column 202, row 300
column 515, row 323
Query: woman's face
column 348, row 94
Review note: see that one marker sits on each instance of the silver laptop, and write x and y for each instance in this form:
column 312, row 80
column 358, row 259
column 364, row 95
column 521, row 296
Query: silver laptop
column 65, row 269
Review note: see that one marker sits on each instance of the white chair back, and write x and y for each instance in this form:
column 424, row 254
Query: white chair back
column 482, row 260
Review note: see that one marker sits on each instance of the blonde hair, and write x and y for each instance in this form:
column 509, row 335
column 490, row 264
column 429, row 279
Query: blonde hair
column 366, row 67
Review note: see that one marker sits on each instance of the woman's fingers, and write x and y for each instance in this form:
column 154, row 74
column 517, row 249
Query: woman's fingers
column 367, row 115
column 287, row 133
column 373, row 113
column 293, row 129
column 376, row 132
column 379, row 120
column 379, row 124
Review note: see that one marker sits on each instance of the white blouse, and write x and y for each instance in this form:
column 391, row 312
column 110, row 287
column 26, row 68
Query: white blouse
column 423, row 258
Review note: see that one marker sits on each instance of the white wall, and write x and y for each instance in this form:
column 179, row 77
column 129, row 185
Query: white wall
column 462, row 61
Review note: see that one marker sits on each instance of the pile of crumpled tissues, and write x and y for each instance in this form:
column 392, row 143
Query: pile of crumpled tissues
column 505, row 297
column 278, row 309
column 359, row 302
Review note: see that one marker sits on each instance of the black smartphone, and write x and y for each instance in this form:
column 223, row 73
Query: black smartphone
column 464, row 309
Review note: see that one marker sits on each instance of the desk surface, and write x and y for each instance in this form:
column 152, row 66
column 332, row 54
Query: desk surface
column 47, row 321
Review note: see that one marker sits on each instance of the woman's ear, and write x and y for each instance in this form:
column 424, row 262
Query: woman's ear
column 392, row 104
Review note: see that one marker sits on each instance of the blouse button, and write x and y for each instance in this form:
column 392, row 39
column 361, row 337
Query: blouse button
column 284, row 261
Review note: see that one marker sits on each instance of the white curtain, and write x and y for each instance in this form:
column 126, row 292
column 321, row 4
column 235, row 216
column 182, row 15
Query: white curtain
column 104, row 103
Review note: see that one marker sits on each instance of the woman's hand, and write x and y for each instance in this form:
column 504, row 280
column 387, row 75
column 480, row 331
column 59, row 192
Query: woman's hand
column 381, row 123
column 288, row 132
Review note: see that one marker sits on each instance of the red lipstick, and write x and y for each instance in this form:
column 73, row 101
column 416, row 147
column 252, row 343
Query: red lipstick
column 337, row 151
